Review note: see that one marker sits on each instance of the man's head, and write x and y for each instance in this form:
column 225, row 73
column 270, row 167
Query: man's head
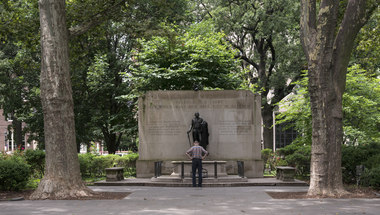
column 196, row 114
column 196, row 143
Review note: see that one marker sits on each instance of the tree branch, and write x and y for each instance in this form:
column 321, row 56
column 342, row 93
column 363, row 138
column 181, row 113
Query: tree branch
column 354, row 18
column 308, row 25
column 95, row 20
column 273, row 53
column 208, row 12
column 242, row 55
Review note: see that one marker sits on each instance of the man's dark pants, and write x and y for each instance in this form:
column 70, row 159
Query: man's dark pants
column 197, row 165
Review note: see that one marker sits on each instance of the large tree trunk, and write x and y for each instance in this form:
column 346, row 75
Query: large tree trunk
column 62, row 178
column 328, row 45
column 327, row 136
column 267, row 115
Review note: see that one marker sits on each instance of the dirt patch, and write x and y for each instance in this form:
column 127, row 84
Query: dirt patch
column 21, row 195
column 353, row 193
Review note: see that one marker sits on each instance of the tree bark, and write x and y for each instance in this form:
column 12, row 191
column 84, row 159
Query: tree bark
column 328, row 52
column 62, row 178
column 17, row 133
column 267, row 115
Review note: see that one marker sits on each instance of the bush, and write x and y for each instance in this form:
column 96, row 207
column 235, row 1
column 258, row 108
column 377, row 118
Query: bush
column 372, row 162
column 297, row 156
column 14, row 174
column 371, row 178
column 36, row 160
column 85, row 163
column 94, row 165
column 266, row 154
column 353, row 156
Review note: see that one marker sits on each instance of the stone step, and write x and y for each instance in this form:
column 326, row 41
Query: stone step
column 170, row 178
column 207, row 183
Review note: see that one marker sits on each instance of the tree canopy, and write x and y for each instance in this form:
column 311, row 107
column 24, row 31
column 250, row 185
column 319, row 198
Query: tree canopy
column 360, row 109
column 185, row 60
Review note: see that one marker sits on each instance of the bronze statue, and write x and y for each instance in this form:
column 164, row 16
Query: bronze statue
column 200, row 130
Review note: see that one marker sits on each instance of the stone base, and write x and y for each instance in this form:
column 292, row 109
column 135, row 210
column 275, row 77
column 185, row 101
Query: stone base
column 252, row 168
column 208, row 166
column 285, row 173
column 115, row 174
column 208, row 180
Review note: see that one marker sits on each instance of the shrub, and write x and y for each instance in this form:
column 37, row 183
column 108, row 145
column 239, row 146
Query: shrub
column 36, row 160
column 85, row 162
column 353, row 156
column 129, row 164
column 95, row 165
column 300, row 159
column 297, row 156
column 265, row 155
column 275, row 160
column 372, row 162
column 14, row 174
column 371, row 178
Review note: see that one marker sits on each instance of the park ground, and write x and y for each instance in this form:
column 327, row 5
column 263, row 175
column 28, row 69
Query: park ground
column 188, row 200
column 354, row 192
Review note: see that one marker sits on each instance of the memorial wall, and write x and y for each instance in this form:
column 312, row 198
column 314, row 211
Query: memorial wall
column 234, row 126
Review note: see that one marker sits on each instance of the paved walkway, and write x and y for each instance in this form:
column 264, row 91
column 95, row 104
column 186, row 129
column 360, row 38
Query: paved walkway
column 186, row 200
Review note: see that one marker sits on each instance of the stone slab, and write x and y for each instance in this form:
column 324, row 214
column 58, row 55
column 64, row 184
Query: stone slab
column 234, row 123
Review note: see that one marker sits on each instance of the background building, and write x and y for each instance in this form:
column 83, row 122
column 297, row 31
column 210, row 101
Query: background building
column 7, row 143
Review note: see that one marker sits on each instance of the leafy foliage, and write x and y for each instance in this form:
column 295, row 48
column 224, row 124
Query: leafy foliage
column 371, row 178
column 361, row 113
column 198, row 57
column 14, row 173
column 367, row 51
column 19, row 66
column 297, row 112
column 298, row 156
column 266, row 37
column 361, row 107
column 94, row 165
column 352, row 156
column 36, row 160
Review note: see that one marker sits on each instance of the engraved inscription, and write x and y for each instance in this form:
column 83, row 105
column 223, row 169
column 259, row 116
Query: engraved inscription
column 235, row 128
column 203, row 104
column 165, row 128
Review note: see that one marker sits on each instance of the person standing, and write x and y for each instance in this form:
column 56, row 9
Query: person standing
column 196, row 153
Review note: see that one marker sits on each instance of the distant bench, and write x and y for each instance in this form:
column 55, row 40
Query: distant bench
column 285, row 173
column 115, row 174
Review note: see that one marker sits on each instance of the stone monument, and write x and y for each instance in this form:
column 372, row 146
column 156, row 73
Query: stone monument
column 234, row 129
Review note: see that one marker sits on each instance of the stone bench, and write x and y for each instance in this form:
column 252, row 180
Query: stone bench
column 285, row 173
column 115, row 174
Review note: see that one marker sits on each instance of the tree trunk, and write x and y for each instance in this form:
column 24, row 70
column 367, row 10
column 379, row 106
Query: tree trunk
column 17, row 133
column 112, row 140
column 328, row 45
column 62, row 178
column 267, row 115
column 327, row 135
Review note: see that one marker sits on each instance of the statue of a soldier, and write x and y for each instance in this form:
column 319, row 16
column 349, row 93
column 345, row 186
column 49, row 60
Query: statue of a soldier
column 200, row 130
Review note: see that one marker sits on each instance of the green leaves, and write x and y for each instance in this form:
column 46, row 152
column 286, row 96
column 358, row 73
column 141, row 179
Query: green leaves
column 181, row 61
column 361, row 109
